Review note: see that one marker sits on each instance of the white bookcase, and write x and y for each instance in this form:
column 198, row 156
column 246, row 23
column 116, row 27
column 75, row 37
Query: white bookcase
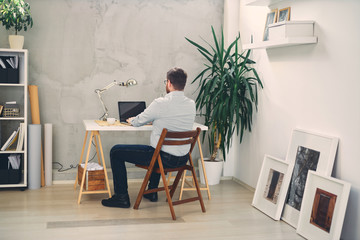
column 15, row 92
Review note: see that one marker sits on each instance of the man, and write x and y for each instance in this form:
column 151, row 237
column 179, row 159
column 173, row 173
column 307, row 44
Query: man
column 174, row 112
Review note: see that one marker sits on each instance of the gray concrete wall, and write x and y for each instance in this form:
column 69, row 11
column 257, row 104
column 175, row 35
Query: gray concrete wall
column 77, row 46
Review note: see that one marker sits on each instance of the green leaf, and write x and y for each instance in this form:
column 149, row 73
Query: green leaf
column 227, row 90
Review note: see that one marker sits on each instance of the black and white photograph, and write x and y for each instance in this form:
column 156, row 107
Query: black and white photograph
column 306, row 159
column 270, row 18
column 307, row 151
column 284, row 14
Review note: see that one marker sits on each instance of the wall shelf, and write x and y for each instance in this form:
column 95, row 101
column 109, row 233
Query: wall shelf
column 291, row 41
column 262, row 2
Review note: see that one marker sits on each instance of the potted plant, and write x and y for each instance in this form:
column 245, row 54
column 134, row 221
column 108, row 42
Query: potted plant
column 228, row 86
column 15, row 15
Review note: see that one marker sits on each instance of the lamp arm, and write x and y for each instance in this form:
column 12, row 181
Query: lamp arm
column 107, row 87
column 129, row 82
column 106, row 114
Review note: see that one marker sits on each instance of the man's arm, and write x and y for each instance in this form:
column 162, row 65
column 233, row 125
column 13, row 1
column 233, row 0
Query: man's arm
column 149, row 115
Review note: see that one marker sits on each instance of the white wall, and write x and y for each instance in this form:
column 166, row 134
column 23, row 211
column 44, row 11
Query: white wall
column 314, row 87
column 77, row 46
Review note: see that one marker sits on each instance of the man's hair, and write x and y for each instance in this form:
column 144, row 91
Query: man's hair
column 177, row 77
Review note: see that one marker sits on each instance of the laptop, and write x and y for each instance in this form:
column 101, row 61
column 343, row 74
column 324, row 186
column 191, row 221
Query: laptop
column 130, row 109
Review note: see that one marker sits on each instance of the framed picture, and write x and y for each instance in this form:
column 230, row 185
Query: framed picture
column 270, row 18
column 284, row 14
column 307, row 151
column 323, row 209
column 272, row 187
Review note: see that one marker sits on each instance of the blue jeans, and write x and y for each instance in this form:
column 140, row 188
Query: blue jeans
column 138, row 154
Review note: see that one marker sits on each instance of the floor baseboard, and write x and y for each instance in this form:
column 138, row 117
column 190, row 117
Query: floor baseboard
column 248, row 187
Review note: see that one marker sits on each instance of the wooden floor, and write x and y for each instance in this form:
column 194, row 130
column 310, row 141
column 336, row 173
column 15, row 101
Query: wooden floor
column 53, row 213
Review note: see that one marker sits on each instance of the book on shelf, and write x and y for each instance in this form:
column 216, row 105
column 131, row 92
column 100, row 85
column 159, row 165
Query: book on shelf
column 20, row 142
column 16, row 140
column 1, row 109
column 10, row 140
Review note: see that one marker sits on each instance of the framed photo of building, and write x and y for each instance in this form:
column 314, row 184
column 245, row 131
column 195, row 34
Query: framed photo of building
column 323, row 209
column 270, row 18
column 307, row 151
column 284, row 14
column 272, row 186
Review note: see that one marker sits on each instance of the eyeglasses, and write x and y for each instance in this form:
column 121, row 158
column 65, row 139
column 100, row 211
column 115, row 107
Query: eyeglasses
column 165, row 81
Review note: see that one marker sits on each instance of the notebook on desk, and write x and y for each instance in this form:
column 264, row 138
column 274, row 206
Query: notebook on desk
column 130, row 109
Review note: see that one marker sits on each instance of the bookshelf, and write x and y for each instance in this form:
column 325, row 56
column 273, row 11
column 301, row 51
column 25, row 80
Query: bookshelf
column 14, row 92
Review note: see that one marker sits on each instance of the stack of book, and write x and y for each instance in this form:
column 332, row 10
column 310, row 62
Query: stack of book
column 16, row 140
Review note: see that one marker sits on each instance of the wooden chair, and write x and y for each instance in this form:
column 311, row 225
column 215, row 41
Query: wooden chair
column 175, row 139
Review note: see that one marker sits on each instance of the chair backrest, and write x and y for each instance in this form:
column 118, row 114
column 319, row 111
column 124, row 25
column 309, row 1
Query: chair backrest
column 178, row 138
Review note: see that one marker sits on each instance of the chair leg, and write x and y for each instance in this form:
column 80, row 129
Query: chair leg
column 142, row 189
column 169, row 178
column 176, row 182
column 197, row 185
column 166, row 189
column 168, row 197
column 182, row 184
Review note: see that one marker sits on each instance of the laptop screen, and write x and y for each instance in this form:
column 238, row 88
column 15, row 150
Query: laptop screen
column 130, row 109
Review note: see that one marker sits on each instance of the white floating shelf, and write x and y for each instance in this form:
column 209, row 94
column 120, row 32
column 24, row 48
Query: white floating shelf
column 262, row 2
column 293, row 41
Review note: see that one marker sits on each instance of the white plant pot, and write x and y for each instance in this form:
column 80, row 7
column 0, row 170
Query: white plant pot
column 16, row 41
column 213, row 171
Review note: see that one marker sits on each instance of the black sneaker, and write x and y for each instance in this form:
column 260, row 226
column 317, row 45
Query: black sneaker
column 118, row 200
column 153, row 197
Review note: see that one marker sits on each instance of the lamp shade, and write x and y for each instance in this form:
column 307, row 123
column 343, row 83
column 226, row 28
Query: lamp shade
column 131, row 82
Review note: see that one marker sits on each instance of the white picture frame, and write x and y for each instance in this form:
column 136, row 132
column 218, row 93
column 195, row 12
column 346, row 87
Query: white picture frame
column 307, row 151
column 284, row 14
column 271, row 18
column 272, row 186
column 332, row 194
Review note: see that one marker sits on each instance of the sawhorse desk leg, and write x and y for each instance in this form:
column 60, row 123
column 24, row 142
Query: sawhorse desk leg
column 93, row 136
column 192, row 188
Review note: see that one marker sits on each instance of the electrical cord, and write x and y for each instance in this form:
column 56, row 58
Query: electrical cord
column 71, row 165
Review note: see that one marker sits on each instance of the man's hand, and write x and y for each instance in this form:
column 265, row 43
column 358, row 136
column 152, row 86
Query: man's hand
column 129, row 120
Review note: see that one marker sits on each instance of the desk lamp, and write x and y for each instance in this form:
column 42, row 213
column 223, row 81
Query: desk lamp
column 129, row 82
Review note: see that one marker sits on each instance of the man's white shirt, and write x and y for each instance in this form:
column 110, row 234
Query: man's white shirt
column 175, row 111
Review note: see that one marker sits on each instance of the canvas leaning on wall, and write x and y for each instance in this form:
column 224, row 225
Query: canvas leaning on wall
column 272, row 186
column 307, row 151
column 323, row 208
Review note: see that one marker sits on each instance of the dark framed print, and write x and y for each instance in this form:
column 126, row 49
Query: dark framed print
column 323, row 211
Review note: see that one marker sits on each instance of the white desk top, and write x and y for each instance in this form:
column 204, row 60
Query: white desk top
column 91, row 125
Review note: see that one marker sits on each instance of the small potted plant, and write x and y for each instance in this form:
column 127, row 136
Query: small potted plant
column 227, row 96
column 15, row 16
